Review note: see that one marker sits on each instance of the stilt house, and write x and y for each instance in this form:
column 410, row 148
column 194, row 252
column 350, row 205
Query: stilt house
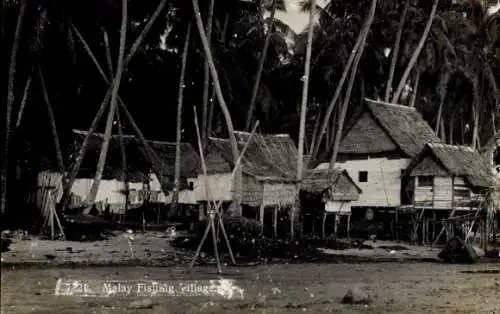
column 448, row 187
column 140, row 181
column 268, row 168
column 324, row 192
column 446, row 177
column 377, row 146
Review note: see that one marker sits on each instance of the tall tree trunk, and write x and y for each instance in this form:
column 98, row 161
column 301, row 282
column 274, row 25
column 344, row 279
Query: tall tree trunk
column 10, row 104
column 225, row 111
column 256, row 85
column 462, row 128
column 451, row 129
column 212, row 95
column 333, row 127
column 124, row 177
column 112, row 108
column 476, row 109
column 126, row 187
column 395, row 52
column 206, row 79
column 108, row 52
column 343, row 112
column 315, row 130
column 413, row 98
column 438, row 116
column 338, row 90
column 416, row 54
column 52, row 121
column 475, row 125
column 442, row 131
column 303, row 105
column 178, row 138
column 23, row 102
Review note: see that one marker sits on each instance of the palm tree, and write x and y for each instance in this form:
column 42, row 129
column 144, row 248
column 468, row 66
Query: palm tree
column 347, row 97
column 275, row 4
column 206, row 78
column 177, row 167
column 10, row 104
column 303, row 108
column 416, row 53
column 395, row 51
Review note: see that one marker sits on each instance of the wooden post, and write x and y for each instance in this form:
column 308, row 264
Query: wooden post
column 275, row 220
column 396, row 225
column 423, row 231
column 348, row 226
column 261, row 212
column 52, row 231
column 323, row 225
column 335, row 216
column 433, row 224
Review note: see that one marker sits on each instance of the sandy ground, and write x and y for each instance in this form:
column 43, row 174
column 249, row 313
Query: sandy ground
column 397, row 286
column 153, row 249
column 311, row 288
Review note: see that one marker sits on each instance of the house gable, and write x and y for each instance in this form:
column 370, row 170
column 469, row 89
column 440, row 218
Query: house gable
column 366, row 136
column 428, row 166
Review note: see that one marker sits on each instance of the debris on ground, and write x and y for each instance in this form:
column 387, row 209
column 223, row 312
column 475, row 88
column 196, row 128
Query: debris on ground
column 356, row 296
column 4, row 246
column 456, row 251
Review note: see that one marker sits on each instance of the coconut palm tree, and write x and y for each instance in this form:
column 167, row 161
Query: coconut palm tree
column 275, row 5
column 9, row 106
column 177, row 166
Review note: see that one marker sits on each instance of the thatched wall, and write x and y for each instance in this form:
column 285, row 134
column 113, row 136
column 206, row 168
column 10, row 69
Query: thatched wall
column 277, row 193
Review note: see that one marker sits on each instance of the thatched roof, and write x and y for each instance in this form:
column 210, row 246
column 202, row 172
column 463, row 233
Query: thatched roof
column 270, row 157
column 138, row 165
column 404, row 128
column 336, row 181
column 490, row 146
column 458, row 161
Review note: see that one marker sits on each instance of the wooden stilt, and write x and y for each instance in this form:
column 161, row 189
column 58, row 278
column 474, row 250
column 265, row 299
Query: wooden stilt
column 323, row 225
column 433, row 224
column 335, row 224
column 348, row 226
column 423, row 230
column 397, row 224
column 261, row 213
column 52, row 231
column 275, row 221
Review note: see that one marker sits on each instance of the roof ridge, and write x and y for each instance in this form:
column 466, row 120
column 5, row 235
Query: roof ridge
column 83, row 132
column 384, row 103
column 129, row 136
column 461, row 147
